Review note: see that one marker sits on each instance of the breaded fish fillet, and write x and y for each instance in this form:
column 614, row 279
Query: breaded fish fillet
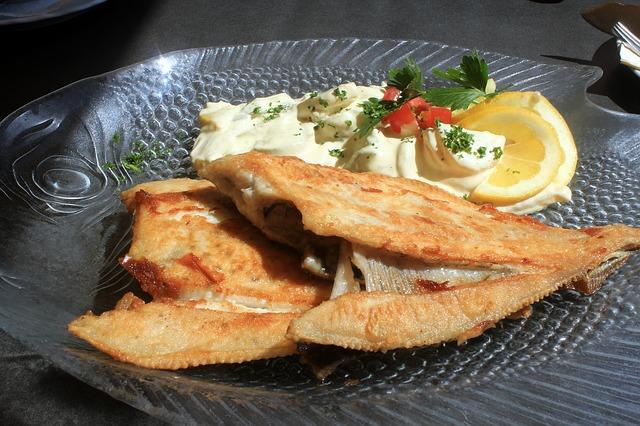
column 448, row 267
column 169, row 334
column 191, row 243
column 222, row 291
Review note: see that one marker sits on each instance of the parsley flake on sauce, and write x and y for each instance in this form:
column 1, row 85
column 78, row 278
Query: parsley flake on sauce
column 457, row 140
column 340, row 94
column 323, row 102
column 338, row 153
column 273, row 112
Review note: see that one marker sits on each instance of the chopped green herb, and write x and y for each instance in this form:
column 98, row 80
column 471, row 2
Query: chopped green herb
column 513, row 171
column 274, row 112
column 340, row 94
column 348, row 123
column 323, row 102
column 319, row 125
column 115, row 139
column 497, row 152
column 457, row 140
column 408, row 79
column 338, row 153
column 110, row 165
column 140, row 153
column 133, row 162
column 481, row 152
column 313, row 94
column 374, row 110
column 465, row 197
column 257, row 110
column 471, row 76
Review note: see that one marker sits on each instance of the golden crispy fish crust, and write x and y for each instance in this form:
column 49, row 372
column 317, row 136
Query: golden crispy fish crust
column 411, row 218
column 222, row 291
column 193, row 243
column 380, row 321
column 167, row 335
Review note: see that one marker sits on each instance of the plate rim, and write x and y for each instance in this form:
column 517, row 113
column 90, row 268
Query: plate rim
column 596, row 72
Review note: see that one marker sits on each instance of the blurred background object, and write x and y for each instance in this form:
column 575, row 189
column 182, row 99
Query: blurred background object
column 19, row 12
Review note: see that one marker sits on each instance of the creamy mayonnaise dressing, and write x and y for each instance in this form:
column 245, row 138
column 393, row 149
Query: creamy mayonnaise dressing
column 320, row 128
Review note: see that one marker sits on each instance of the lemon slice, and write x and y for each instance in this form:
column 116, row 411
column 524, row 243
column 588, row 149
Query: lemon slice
column 536, row 102
column 532, row 154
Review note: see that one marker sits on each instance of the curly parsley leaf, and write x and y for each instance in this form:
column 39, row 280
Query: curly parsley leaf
column 471, row 76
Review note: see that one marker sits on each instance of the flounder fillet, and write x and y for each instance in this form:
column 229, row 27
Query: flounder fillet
column 170, row 334
column 222, row 291
column 193, row 244
column 435, row 266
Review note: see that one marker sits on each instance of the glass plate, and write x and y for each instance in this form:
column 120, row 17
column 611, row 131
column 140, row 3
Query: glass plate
column 26, row 11
column 575, row 360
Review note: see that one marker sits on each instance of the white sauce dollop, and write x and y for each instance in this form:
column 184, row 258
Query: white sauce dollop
column 320, row 128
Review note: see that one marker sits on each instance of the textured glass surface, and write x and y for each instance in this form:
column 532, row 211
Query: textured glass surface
column 23, row 11
column 576, row 359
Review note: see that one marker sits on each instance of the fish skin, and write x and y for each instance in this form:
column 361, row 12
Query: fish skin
column 169, row 335
column 418, row 220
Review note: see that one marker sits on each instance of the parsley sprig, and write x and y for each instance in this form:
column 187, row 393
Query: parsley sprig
column 408, row 79
column 471, row 78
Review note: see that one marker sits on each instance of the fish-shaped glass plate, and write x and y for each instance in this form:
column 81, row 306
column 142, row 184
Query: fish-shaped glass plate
column 14, row 12
column 576, row 359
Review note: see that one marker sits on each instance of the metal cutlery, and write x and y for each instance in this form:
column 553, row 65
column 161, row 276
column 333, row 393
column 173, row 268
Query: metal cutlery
column 627, row 36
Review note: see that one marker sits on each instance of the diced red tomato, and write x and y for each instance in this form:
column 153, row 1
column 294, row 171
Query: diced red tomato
column 418, row 105
column 428, row 118
column 403, row 116
column 391, row 94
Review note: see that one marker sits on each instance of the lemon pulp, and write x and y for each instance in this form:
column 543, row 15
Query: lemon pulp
column 531, row 158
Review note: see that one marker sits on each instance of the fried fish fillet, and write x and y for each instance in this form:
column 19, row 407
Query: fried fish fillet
column 434, row 266
column 191, row 243
column 222, row 292
column 169, row 334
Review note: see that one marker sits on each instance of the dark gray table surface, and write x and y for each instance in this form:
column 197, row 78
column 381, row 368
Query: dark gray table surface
column 39, row 58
